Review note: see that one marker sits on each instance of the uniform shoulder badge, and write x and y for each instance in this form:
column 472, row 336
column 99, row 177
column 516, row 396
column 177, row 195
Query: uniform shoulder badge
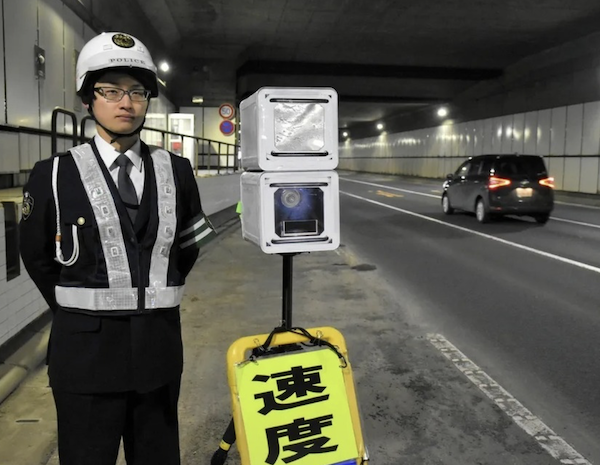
column 123, row 40
column 27, row 205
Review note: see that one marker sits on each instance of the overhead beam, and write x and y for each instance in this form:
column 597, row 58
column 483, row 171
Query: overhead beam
column 361, row 70
column 389, row 99
column 161, row 20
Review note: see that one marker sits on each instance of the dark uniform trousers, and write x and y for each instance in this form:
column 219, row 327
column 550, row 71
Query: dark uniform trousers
column 113, row 376
column 91, row 427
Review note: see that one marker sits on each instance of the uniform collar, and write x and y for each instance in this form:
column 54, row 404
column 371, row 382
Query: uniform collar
column 109, row 154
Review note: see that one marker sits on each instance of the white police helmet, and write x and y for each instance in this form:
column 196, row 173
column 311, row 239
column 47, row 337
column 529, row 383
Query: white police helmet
column 119, row 52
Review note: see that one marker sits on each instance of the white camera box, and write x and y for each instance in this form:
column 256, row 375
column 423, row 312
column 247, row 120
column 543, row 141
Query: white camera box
column 290, row 129
column 291, row 212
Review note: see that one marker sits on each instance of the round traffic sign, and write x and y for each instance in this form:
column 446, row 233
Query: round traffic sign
column 227, row 127
column 226, row 111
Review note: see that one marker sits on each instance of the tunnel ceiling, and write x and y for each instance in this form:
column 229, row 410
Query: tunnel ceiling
column 383, row 57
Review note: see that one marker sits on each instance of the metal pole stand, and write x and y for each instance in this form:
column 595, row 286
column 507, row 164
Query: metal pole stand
column 220, row 455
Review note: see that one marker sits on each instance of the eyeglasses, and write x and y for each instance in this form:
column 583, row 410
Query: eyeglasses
column 114, row 94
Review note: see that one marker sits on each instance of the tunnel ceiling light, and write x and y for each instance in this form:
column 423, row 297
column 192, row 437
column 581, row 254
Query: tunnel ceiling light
column 442, row 112
column 164, row 66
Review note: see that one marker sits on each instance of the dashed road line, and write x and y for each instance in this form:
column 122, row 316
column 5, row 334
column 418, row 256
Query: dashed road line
column 578, row 223
column 580, row 205
column 556, row 446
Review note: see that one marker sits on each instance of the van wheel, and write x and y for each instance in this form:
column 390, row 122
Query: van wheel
column 482, row 214
column 542, row 218
column 446, row 207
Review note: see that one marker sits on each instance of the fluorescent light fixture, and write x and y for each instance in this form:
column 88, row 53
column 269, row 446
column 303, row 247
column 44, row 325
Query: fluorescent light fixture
column 197, row 99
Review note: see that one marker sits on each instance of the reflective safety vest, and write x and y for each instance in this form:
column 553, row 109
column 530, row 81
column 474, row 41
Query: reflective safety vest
column 120, row 295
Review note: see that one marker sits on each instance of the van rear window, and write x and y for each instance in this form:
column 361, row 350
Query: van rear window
column 511, row 166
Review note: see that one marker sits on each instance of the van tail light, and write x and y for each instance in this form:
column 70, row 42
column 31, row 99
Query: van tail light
column 495, row 182
column 548, row 182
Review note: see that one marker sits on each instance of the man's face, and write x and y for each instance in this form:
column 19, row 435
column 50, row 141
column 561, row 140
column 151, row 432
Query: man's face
column 120, row 116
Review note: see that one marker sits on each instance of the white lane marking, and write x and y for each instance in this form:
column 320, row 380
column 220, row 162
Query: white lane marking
column 590, row 225
column 578, row 205
column 556, row 446
column 390, row 187
column 477, row 233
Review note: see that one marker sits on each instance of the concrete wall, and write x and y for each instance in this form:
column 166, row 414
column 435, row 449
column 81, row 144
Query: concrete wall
column 567, row 136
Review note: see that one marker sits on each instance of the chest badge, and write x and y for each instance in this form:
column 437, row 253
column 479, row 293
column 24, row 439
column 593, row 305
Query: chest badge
column 81, row 221
column 27, row 205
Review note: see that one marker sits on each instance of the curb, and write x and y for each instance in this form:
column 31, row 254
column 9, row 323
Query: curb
column 23, row 361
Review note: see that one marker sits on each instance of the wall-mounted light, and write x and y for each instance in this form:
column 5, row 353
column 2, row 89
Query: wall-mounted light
column 164, row 66
column 197, row 99
column 345, row 133
column 442, row 112
column 379, row 126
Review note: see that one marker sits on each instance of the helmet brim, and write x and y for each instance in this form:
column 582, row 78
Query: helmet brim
column 144, row 76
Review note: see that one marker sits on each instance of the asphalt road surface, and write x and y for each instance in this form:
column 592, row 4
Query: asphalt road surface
column 517, row 299
column 521, row 300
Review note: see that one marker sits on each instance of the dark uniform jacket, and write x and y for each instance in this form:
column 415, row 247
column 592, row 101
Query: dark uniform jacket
column 94, row 352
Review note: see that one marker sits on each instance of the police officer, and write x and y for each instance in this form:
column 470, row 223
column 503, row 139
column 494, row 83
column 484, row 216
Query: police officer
column 109, row 233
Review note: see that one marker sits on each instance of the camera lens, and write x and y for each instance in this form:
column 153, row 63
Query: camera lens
column 290, row 197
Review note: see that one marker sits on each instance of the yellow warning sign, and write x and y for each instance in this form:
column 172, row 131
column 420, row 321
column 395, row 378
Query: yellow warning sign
column 295, row 406
column 295, row 409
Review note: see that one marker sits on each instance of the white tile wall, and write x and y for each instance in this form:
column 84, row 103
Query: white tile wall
column 9, row 161
column 558, row 130
column 29, row 150
column 507, row 134
column 73, row 41
column 589, row 182
column 574, row 130
column 544, row 123
column 2, row 91
column 20, row 38
column 518, row 144
column 591, row 125
column 529, row 133
column 51, row 31
column 20, row 301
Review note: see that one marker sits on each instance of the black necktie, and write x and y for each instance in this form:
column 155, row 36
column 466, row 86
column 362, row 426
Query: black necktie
column 125, row 186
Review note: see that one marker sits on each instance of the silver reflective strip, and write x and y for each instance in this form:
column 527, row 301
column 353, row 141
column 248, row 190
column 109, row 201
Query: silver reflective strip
column 197, row 238
column 118, row 299
column 193, row 227
column 107, row 218
column 167, row 217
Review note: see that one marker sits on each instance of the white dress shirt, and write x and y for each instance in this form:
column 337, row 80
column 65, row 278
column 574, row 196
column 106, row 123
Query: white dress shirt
column 109, row 154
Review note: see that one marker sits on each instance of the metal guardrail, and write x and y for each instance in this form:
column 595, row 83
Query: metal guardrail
column 57, row 111
column 209, row 160
column 202, row 159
